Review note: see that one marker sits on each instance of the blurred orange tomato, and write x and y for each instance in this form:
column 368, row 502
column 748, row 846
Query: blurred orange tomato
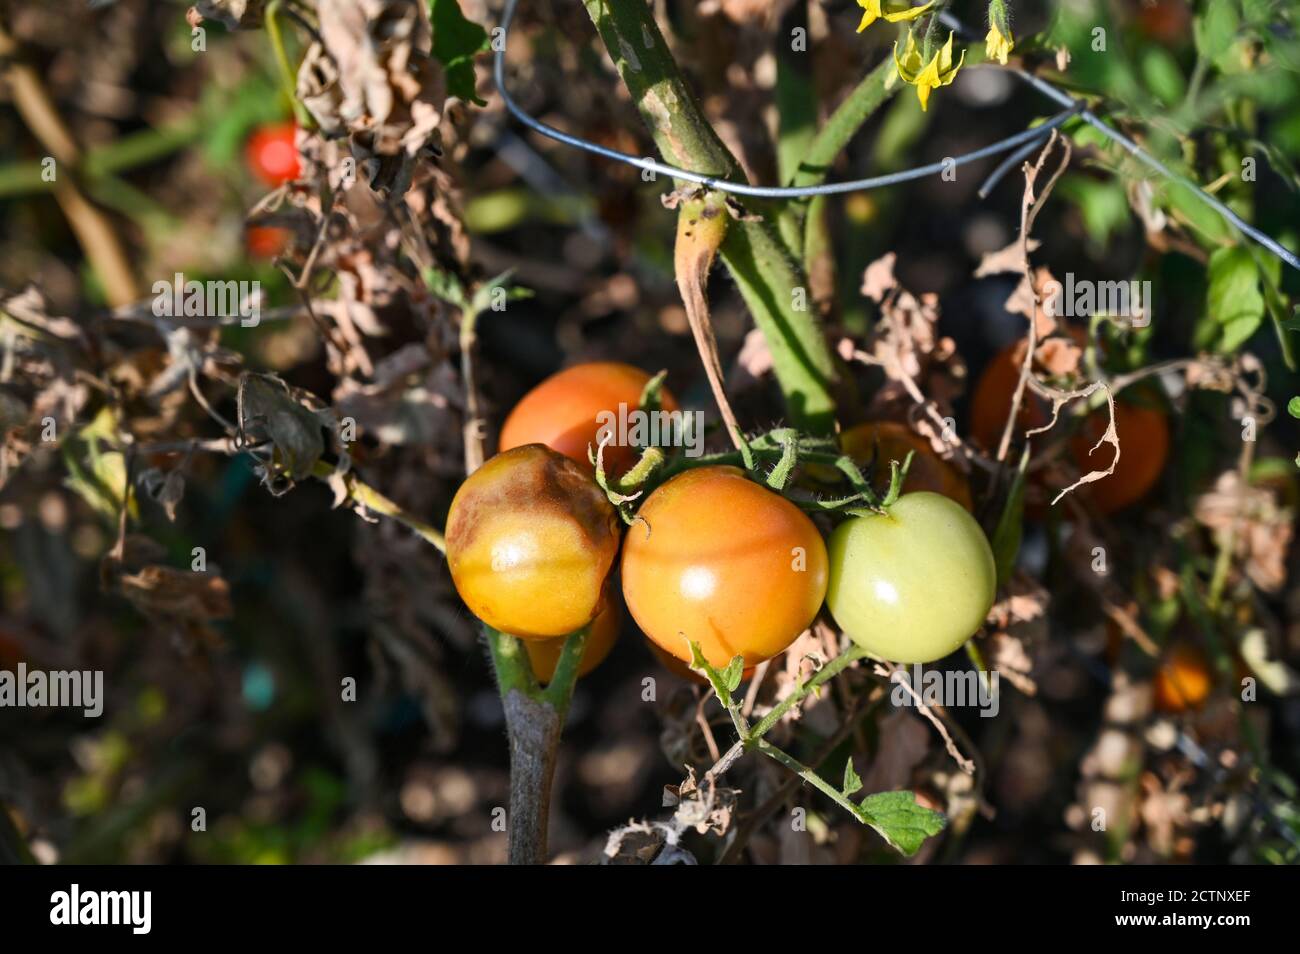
column 266, row 241
column 1183, row 679
column 1143, row 434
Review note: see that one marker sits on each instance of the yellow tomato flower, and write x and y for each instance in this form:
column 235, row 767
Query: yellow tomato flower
column 940, row 71
column 895, row 11
column 997, row 45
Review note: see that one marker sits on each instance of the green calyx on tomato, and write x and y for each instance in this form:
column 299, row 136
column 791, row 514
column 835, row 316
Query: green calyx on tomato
column 913, row 584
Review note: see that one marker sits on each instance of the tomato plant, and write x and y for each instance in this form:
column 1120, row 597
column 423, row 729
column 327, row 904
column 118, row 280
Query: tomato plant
column 530, row 541
column 716, row 559
column 272, row 154
column 913, row 584
column 564, row 411
column 883, row 441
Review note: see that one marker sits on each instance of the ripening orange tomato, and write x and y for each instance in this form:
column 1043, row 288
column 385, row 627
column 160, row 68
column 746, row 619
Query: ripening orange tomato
column 717, row 559
column 563, row 412
column 890, row 440
column 544, row 654
column 1143, row 434
column 1183, row 680
column 530, row 542
column 991, row 402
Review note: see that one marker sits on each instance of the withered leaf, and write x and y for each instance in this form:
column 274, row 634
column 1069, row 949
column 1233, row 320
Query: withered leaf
column 158, row 590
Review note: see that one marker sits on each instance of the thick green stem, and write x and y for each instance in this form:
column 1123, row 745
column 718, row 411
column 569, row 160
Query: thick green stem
column 534, row 720
column 770, row 279
column 844, row 124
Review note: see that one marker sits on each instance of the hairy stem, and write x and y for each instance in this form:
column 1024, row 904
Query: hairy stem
column 534, row 720
column 823, row 675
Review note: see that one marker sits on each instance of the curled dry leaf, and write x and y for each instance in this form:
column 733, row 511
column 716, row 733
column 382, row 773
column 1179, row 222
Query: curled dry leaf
column 1033, row 300
column 1059, row 356
column 165, row 489
column 1018, row 629
column 157, row 590
column 1008, row 259
column 906, row 345
column 701, row 804
column 373, row 79
column 804, row 658
column 878, row 279
column 1254, row 521
column 269, row 412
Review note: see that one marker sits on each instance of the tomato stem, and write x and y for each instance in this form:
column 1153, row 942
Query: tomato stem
column 534, row 720
column 852, row 654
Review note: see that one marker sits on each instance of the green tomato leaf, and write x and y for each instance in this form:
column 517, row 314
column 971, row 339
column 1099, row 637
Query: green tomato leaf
column 1233, row 299
column 456, row 41
column 1237, row 332
column 851, row 781
column 734, row 672
column 1010, row 528
column 1162, row 75
column 1186, row 205
column 445, row 285
column 900, row 820
column 1217, row 29
column 716, row 679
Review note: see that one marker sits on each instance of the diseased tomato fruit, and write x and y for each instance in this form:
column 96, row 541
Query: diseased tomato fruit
column 272, row 155
column 719, row 560
column 563, row 412
column 890, row 440
column 1183, row 680
column 914, row 584
column 1143, row 434
column 544, row 654
column 681, row 670
column 530, row 541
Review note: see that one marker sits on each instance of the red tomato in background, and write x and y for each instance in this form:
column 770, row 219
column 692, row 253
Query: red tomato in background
column 272, row 155
column 266, row 241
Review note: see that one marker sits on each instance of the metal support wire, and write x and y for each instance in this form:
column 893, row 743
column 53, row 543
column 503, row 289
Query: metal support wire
column 1022, row 142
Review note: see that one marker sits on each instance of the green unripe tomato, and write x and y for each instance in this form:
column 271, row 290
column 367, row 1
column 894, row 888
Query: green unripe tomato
column 914, row 584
